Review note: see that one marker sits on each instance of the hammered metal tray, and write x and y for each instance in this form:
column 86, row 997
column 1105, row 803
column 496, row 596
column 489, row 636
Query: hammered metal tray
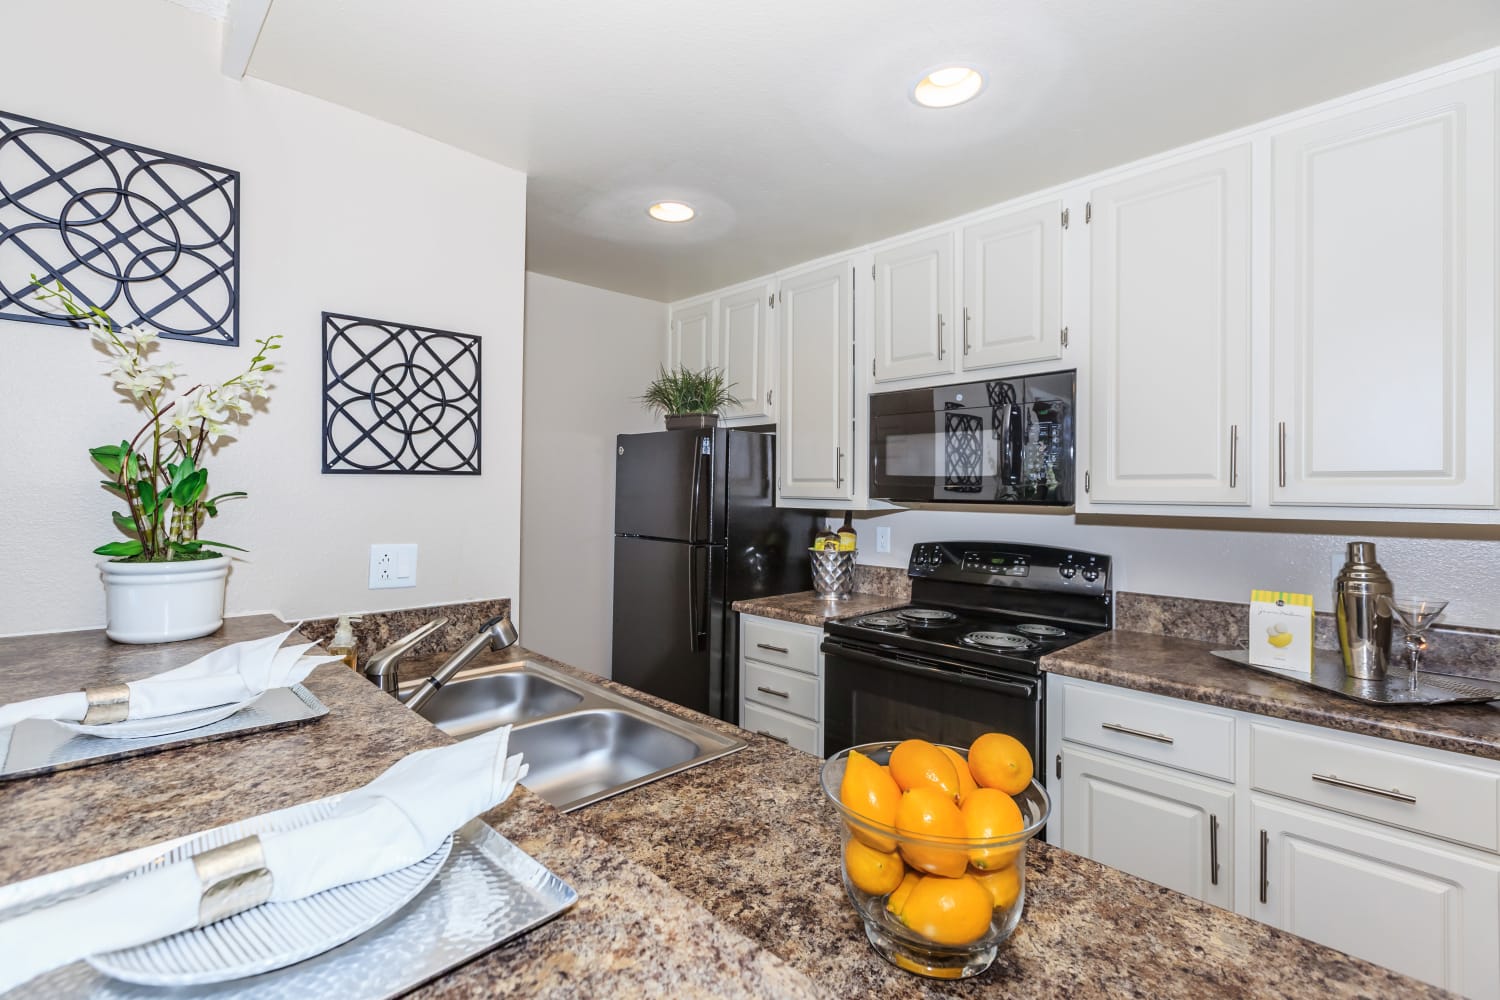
column 38, row 746
column 1328, row 674
column 487, row 892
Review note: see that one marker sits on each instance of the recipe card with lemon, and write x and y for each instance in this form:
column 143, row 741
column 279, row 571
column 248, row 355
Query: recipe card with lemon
column 1281, row 631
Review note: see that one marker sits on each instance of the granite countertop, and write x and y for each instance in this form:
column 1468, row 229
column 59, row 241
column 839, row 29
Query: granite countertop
column 1186, row 668
column 720, row 881
column 811, row 608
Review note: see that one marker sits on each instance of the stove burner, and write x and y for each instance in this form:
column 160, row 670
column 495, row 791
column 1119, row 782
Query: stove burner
column 886, row 623
column 926, row 616
column 996, row 640
column 1041, row 631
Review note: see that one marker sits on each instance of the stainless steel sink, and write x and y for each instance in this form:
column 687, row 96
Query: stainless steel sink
column 583, row 742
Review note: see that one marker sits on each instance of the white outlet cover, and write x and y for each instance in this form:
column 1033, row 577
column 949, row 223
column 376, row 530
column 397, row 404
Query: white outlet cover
column 393, row 566
column 882, row 539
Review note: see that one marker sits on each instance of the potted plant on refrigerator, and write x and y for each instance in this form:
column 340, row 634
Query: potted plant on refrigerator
column 163, row 582
column 689, row 400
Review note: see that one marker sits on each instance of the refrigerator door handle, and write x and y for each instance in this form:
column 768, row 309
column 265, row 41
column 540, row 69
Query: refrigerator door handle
column 696, row 498
column 697, row 623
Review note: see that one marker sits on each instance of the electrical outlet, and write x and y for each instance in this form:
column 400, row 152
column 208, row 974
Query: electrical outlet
column 882, row 539
column 393, row 566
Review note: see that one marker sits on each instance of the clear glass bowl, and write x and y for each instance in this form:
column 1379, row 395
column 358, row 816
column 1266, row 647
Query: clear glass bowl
column 969, row 948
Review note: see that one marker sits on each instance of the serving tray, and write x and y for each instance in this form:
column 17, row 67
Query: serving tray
column 40, row 746
column 1328, row 674
column 486, row 893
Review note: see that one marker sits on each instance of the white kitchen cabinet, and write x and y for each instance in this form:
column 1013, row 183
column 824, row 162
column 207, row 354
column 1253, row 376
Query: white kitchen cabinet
column 781, row 682
column 690, row 343
column 1401, row 901
column 746, row 334
column 914, row 309
column 1383, row 304
column 1170, row 288
column 1012, row 289
column 815, row 433
column 1165, row 827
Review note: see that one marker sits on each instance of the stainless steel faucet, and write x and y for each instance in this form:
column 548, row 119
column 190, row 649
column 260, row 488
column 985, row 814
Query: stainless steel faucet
column 383, row 669
column 497, row 634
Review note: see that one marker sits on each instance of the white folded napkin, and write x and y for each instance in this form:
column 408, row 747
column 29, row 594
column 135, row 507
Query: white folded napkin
column 396, row 820
column 226, row 676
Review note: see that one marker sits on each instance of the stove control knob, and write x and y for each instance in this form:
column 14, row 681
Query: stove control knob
column 1068, row 572
column 1091, row 574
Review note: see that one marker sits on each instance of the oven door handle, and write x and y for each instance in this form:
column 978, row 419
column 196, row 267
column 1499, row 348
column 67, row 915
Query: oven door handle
column 1016, row 688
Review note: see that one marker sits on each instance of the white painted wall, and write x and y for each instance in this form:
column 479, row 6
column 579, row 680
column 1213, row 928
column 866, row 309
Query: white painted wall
column 1159, row 556
column 589, row 353
column 339, row 212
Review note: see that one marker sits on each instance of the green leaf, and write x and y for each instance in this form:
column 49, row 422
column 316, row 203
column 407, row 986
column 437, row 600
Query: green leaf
column 120, row 550
column 221, row 545
column 108, row 457
column 211, row 508
column 147, row 492
column 187, row 548
column 227, row 496
column 133, row 467
column 110, row 484
column 125, row 523
column 187, row 492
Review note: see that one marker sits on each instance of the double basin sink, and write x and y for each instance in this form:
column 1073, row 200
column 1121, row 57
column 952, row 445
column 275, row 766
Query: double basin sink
column 582, row 742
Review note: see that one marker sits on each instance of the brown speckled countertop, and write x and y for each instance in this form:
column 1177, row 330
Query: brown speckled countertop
column 811, row 608
column 1186, row 668
column 720, row 881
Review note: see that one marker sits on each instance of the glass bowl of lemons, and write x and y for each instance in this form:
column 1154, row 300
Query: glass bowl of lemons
column 934, row 846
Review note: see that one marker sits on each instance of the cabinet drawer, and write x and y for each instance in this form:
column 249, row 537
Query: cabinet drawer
column 779, row 726
column 788, row 690
column 1150, row 728
column 791, row 646
column 1456, row 803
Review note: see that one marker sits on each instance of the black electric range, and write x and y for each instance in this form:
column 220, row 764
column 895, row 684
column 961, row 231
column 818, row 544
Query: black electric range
column 962, row 658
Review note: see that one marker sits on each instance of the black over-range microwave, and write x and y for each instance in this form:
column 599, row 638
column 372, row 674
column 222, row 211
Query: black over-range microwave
column 1002, row 441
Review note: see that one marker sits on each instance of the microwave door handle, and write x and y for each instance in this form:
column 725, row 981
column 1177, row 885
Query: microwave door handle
column 907, row 666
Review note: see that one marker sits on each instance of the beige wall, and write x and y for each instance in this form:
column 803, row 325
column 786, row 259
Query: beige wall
column 589, row 352
column 339, row 212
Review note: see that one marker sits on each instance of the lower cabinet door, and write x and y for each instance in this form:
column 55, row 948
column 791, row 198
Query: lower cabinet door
column 1165, row 827
column 1402, row 901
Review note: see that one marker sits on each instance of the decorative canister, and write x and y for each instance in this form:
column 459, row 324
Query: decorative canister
column 833, row 573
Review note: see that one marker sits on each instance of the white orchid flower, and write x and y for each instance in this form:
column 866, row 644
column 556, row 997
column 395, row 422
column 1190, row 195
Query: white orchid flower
column 141, row 336
column 215, row 431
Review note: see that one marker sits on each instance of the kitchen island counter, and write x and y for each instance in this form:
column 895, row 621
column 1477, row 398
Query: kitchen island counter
column 719, row 881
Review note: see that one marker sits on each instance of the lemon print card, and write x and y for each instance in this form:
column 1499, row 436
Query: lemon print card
column 1281, row 631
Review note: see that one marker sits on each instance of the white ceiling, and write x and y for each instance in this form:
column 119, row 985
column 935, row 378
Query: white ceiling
column 787, row 122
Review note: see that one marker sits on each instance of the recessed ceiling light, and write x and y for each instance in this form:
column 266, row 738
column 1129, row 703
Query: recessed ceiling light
column 671, row 211
column 943, row 88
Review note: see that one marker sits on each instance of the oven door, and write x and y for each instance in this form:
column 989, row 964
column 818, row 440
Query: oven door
column 873, row 694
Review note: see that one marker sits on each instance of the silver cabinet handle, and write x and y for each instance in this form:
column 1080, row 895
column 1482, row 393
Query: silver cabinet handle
column 774, row 649
column 941, row 352
column 1385, row 793
column 1281, row 453
column 1234, row 455
column 765, row 690
column 773, row 736
column 1213, row 849
column 1154, row 737
column 1265, row 847
column 966, row 329
column 838, row 463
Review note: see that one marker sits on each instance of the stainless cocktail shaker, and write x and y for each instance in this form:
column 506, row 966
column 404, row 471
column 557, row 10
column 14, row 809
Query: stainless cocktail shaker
column 1361, row 601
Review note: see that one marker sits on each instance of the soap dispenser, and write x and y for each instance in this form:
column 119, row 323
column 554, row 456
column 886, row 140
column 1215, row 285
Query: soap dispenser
column 343, row 641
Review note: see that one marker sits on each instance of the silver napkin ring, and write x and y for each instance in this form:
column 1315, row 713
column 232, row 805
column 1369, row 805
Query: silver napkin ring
column 234, row 879
column 109, row 703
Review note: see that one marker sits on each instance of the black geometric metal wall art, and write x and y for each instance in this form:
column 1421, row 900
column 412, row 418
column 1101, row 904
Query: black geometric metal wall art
column 399, row 398
column 962, row 454
column 144, row 235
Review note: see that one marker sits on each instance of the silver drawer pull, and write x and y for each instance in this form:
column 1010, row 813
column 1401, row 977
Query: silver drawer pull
column 1155, row 737
column 765, row 690
column 1385, row 793
column 774, row 649
column 773, row 736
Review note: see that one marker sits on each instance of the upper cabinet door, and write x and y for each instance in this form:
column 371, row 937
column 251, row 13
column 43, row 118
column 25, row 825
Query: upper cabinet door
column 1170, row 386
column 691, row 343
column 1383, row 304
column 815, row 440
column 745, row 351
column 914, row 309
column 1013, row 289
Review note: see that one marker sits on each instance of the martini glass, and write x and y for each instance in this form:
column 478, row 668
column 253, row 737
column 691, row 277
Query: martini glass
column 1416, row 615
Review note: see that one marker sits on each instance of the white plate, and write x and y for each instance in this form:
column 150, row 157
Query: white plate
column 272, row 935
column 161, row 725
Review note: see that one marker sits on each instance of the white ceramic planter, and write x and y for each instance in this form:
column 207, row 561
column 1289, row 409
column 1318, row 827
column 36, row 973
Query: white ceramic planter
column 165, row 601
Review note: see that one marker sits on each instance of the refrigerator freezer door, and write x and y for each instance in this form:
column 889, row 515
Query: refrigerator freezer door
column 663, row 619
column 663, row 485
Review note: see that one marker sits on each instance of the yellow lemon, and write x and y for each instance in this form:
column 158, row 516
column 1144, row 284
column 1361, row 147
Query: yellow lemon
column 951, row 911
column 930, row 814
column 990, row 814
column 869, row 792
column 897, row 898
column 966, row 782
column 1001, row 761
column 919, row 764
column 1003, row 885
column 872, row 871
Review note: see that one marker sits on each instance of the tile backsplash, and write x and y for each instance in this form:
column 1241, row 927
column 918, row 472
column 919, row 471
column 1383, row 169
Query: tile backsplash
column 378, row 629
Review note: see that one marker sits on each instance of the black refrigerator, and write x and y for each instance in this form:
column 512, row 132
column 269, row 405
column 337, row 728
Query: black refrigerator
column 696, row 529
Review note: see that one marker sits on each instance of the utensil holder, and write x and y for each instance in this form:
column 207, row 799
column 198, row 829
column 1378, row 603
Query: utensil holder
column 833, row 573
